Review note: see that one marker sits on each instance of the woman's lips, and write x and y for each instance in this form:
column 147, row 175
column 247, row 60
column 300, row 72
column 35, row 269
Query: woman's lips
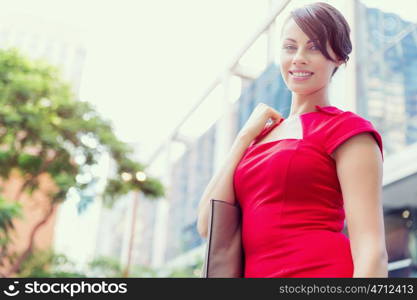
column 299, row 78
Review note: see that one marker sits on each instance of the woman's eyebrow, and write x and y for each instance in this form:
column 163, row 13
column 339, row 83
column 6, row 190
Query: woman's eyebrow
column 309, row 41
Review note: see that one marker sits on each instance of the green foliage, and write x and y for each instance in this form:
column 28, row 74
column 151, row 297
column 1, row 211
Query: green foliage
column 105, row 266
column 8, row 211
column 114, row 189
column 192, row 270
column 110, row 267
column 47, row 264
column 28, row 163
column 43, row 126
column 6, row 163
column 44, row 129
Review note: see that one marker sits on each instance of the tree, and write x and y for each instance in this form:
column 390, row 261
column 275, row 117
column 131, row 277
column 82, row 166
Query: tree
column 8, row 211
column 43, row 128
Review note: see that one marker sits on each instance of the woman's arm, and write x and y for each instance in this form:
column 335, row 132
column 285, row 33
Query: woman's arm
column 359, row 169
column 221, row 184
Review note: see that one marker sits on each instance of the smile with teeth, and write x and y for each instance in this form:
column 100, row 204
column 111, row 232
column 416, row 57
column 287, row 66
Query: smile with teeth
column 301, row 74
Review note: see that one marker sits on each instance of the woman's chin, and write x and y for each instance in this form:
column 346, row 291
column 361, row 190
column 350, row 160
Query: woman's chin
column 299, row 90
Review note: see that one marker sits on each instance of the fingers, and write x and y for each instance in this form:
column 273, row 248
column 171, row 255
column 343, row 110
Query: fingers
column 269, row 111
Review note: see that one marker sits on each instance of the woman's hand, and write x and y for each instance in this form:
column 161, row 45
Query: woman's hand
column 257, row 121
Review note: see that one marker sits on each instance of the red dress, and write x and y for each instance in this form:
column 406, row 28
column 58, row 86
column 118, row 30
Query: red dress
column 291, row 200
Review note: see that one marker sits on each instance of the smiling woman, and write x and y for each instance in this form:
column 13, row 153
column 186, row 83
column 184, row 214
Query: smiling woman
column 297, row 184
column 298, row 179
column 308, row 35
column 322, row 29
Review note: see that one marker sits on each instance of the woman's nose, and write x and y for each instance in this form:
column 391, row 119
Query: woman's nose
column 299, row 57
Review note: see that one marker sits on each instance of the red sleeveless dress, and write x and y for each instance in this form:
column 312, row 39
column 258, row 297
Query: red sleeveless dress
column 291, row 200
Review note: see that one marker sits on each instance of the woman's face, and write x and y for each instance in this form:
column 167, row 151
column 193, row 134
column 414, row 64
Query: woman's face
column 297, row 52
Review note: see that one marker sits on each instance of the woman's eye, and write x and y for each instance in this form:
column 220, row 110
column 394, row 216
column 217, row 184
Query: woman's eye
column 289, row 47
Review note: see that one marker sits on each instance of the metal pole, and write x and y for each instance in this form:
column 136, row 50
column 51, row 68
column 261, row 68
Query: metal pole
column 352, row 69
column 271, row 34
column 132, row 233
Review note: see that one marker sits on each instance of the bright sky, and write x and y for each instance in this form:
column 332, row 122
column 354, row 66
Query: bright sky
column 149, row 61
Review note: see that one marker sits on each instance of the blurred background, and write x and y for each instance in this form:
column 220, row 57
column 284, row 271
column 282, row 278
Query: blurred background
column 115, row 115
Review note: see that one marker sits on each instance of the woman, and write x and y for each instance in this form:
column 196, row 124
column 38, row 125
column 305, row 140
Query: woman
column 300, row 178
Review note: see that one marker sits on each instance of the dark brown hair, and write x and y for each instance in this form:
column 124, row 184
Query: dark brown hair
column 322, row 22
